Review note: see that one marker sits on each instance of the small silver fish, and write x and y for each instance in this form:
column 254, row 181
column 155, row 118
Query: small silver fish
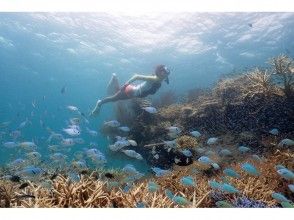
column 225, row 152
column 274, row 131
column 28, row 145
column 58, row 157
column 188, row 181
column 286, row 142
column 10, row 144
column 124, row 128
column 291, row 187
column 23, row 124
column 249, row 168
column 224, row 204
column 286, row 174
column 72, row 132
column 212, row 141
column 229, row 188
column 133, row 154
column 112, row 123
column 243, row 149
column 152, row 187
column 160, row 172
column 156, row 156
column 174, row 130
column 232, row 173
column 180, row 200
column 196, row 134
column 133, row 143
column 187, row 153
column 91, row 132
column 67, row 142
column 280, row 197
column 150, row 110
column 205, row 160
column 170, row 144
column 72, row 108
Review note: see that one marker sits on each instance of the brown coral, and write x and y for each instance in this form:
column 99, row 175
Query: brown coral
column 283, row 67
column 186, row 141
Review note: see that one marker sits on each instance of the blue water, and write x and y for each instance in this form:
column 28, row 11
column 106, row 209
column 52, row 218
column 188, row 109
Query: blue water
column 42, row 52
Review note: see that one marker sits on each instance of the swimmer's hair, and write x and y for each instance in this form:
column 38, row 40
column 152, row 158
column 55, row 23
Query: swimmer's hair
column 159, row 69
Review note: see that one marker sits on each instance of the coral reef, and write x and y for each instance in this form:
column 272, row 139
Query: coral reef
column 97, row 190
column 240, row 109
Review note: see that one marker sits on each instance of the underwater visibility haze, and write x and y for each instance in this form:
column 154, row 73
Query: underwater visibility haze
column 200, row 112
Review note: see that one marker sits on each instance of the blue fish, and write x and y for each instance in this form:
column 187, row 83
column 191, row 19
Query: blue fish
column 286, row 205
column 212, row 141
column 229, row 188
column 160, row 172
column 127, row 188
column 279, row 166
column 286, row 142
column 224, row 204
column 187, row 153
column 140, row 205
column 205, row 160
column 291, row 187
column 112, row 184
column 256, row 158
column 225, row 153
column 286, row 174
column 280, row 197
column 187, row 181
column 215, row 166
column 243, row 149
column 232, row 173
column 30, row 171
column 74, row 177
column 274, row 131
column 180, row 200
column 169, row 194
column 214, row 185
column 152, row 187
column 249, row 168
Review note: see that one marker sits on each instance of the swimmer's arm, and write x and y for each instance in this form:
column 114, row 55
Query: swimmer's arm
column 142, row 77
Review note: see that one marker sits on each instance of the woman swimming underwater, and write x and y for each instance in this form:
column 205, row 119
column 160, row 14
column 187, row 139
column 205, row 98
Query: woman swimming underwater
column 149, row 86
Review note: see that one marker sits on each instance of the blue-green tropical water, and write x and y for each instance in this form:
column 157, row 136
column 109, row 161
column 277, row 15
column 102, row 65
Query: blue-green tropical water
column 40, row 53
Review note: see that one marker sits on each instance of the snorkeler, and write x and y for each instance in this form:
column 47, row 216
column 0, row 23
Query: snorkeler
column 149, row 86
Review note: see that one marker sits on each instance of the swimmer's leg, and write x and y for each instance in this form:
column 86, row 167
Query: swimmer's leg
column 120, row 95
column 113, row 85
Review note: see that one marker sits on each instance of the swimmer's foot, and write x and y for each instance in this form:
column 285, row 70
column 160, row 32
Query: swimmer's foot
column 96, row 110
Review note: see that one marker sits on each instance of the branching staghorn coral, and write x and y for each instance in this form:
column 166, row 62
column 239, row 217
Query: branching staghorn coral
column 283, row 67
column 259, row 83
column 85, row 193
column 247, row 85
column 6, row 194
column 230, row 89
